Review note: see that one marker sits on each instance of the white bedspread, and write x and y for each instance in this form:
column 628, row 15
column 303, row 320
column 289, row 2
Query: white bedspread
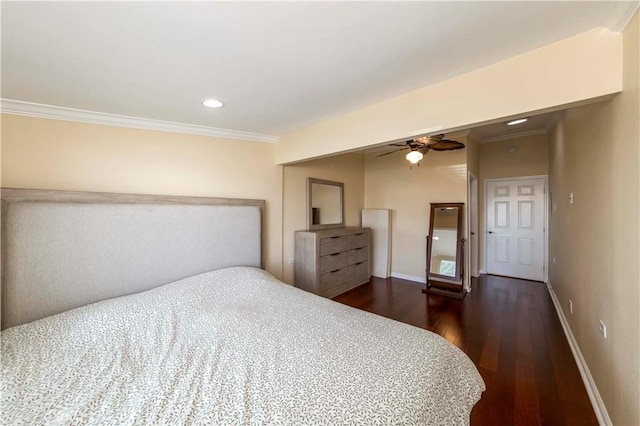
column 233, row 346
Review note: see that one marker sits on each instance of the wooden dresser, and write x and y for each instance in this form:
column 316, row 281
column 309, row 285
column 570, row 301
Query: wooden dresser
column 329, row 262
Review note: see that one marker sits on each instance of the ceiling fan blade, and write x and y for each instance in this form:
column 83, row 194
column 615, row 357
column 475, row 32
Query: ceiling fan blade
column 391, row 152
column 429, row 140
column 446, row 145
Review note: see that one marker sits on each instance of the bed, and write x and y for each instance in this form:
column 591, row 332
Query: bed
column 91, row 339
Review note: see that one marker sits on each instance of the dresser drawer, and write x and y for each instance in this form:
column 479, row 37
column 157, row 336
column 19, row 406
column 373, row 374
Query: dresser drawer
column 360, row 239
column 357, row 255
column 331, row 262
column 335, row 277
column 360, row 268
column 330, row 245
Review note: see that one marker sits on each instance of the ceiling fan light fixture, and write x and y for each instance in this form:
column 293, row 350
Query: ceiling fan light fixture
column 414, row 157
column 212, row 103
column 518, row 121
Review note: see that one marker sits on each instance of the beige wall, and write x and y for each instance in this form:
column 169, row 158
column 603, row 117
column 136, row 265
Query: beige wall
column 530, row 159
column 348, row 169
column 53, row 154
column 473, row 156
column 391, row 184
column 544, row 78
column 595, row 153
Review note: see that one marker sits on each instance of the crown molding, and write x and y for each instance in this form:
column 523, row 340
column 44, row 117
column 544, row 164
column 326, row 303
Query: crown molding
column 513, row 135
column 31, row 109
column 621, row 14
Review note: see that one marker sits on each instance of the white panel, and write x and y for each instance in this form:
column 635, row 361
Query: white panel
column 502, row 214
column 501, row 191
column 525, row 214
column 379, row 220
column 502, row 249
column 526, row 190
column 525, row 251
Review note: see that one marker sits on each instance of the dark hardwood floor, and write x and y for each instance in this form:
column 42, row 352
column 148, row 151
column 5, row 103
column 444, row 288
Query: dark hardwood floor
column 510, row 330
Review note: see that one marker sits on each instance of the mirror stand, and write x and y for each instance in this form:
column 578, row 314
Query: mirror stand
column 445, row 251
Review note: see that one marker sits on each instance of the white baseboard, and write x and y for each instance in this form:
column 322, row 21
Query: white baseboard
column 414, row 278
column 592, row 390
column 481, row 271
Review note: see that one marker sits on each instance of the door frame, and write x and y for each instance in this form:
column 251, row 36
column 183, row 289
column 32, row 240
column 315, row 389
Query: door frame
column 545, row 232
column 473, row 211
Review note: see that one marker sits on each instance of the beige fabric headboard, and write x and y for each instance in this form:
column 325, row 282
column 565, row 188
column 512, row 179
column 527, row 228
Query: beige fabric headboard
column 61, row 249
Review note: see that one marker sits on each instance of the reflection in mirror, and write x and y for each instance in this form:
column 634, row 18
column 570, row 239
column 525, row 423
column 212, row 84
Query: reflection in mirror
column 325, row 203
column 445, row 238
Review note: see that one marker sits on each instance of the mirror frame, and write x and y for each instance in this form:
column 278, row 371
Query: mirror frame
column 310, row 225
column 446, row 279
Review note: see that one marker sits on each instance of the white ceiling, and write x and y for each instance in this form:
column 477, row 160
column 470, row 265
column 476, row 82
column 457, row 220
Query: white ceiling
column 277, row 66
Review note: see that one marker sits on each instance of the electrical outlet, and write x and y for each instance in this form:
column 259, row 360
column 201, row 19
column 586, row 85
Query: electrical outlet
column 291, row 261
column 603, row 329
column 570, row 306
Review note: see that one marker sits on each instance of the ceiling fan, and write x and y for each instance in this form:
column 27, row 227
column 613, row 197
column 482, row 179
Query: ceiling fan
column 420, row 146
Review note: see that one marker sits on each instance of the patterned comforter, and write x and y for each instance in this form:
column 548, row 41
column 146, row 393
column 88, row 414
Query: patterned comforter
column 233, row 346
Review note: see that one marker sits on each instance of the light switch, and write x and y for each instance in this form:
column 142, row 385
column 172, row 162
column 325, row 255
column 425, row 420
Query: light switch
column 571, row 198
column 603, row 329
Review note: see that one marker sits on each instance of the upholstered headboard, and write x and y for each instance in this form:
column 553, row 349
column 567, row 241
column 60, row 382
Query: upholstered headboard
column 62, row 249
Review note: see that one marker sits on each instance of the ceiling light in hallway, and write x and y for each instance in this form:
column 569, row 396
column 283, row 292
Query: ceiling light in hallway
column 519, row 121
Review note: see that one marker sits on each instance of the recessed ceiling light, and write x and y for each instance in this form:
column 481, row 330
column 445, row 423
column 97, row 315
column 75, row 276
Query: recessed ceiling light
column 519, row 121
column 212, row 103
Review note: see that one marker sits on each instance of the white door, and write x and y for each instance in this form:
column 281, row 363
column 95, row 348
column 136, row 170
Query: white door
column 379, row 220
column 515, row 228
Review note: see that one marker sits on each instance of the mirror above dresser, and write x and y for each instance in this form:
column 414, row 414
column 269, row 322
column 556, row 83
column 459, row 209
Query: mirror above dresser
column 325, row 204
column 329, row 257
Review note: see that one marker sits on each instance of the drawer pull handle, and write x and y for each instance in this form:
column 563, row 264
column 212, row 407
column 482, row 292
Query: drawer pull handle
column 337, row 270
column 333, row 238
column 359, row 233
column 335, row 254
column 359, row 263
